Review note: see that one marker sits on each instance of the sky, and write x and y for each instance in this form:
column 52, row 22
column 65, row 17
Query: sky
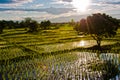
column 56, row 10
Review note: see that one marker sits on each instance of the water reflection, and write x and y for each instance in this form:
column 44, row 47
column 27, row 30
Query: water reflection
column 82, row 43
column 88, row 59
column 61, row 67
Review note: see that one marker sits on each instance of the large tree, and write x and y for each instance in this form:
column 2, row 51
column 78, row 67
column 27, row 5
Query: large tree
column 27, row 22
column 99, row 26
column 32, row 25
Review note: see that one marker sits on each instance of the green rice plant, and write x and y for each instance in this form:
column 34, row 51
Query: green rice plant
column 55, row 55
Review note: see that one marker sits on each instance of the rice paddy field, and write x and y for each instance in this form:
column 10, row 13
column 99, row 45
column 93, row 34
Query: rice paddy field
column 57, row 54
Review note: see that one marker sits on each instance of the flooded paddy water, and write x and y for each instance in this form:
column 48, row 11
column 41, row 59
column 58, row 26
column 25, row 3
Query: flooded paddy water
column 67, row 45
column 68, row 66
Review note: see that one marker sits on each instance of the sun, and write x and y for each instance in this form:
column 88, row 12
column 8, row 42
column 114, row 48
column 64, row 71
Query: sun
column 81, row 5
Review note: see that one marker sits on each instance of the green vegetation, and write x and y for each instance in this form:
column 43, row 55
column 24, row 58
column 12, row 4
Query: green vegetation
column 56, row 53
column 45, row 24
column 30, row 25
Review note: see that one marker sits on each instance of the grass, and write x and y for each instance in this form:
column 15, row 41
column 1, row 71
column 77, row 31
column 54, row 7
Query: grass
column 50, row 54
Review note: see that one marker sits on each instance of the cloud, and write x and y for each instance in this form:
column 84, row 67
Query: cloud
column 93, row 1
column 113, row 3
column 58, row 10
column 38, row 5
column 13, row 2
column 65, row 12
column 58, row 18
column 22, row 1
column 106, row 1
column 104, row 5
column 35, row 6
column 64, row 2
column 50, row 10
column 67, row 0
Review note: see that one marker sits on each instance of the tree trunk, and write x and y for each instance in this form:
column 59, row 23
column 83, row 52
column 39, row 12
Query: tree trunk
column 98, row 40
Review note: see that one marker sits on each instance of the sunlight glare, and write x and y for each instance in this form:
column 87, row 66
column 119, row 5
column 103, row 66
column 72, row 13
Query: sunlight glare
column 81, row 5
column 82, row 43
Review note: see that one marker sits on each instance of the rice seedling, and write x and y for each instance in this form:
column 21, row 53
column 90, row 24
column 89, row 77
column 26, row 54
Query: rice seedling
column 57, row 55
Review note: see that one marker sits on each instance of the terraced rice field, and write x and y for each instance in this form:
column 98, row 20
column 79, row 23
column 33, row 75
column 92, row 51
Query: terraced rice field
column 58, row 54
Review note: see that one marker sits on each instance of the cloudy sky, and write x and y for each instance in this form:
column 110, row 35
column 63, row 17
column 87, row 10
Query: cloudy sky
column 56, row 10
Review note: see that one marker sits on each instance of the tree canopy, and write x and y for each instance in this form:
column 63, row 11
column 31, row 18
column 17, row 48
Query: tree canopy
column 99, row 26
column 28, row 23
column 33, row 26
column 45, row 24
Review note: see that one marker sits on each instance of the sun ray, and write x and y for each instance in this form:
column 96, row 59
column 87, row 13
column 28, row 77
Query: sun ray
column 81, row 5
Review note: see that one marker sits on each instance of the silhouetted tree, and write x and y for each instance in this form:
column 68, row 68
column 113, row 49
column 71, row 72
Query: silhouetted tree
column 17, row 24
column 2, row 26
column 33, row 26
column 27, row 22
column 99, row 26
column 81, row 26
column 45, row 24
column 22, row 24
column 10, row 24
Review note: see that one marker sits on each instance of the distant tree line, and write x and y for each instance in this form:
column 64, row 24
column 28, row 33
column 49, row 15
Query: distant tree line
column 29, row 24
